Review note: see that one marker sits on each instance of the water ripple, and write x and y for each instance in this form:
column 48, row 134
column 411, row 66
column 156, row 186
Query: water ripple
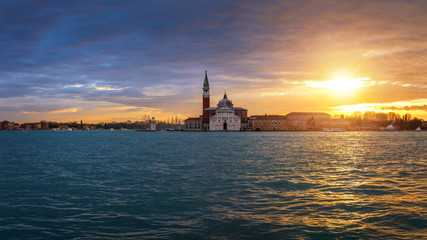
column 291, row 185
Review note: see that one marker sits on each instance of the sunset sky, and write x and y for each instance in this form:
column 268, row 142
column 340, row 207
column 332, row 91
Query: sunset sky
column 121, row 60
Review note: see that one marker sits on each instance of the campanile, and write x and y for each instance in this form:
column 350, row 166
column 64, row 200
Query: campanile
column 206, row 95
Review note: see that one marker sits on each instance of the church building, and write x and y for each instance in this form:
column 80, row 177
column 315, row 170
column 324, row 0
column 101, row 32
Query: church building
column 224, row 117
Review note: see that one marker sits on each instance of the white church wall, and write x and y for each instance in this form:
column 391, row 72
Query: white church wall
column 224, row 118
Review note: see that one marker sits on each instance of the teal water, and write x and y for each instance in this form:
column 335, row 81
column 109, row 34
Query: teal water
column 179, row 185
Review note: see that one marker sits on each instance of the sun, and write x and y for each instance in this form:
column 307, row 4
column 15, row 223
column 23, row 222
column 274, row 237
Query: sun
column 342, row 83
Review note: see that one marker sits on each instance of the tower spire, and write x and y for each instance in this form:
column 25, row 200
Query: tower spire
column 206, row 82
column 206, row 95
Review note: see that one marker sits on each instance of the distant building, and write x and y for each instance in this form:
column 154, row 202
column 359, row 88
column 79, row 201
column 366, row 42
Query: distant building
column 44, row 125
column 307, row 115
column 268, row 123
column 36, row 126
column 296, row 121
column 278, row 123
column 319, row 124
column 220, row 118
column 63, row 126
column 27, row 126
column 225, row 117
column 193, row 124
column 307, row 120
column 152, row 124
column 6, row 125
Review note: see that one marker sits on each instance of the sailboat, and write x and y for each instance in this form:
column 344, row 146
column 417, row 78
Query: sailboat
column 418, row 129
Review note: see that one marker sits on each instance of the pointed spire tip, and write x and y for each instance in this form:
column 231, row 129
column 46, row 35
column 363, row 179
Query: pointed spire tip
column 206, row 82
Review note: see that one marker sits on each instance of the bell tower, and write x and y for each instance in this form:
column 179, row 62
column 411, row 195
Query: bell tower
column 206, row 95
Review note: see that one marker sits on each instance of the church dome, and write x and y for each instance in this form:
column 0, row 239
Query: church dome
column 225, row 102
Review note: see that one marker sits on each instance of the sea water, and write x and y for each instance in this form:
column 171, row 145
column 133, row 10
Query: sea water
column 213, row 185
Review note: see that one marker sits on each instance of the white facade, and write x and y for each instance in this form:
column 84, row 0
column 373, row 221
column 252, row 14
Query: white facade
column 152, row 124
column 225, row 118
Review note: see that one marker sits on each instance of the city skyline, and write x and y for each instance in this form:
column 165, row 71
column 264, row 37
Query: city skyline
column 115, row 61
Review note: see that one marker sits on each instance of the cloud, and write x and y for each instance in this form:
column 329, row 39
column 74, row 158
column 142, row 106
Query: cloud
column 407, row 108
column 67, row 110
column 74, row 86
column 135, row 109
column 417, row 105
column 105, row 88
column 152, row 54
column 32, row 108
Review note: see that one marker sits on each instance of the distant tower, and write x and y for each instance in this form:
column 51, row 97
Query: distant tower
column 206, row 95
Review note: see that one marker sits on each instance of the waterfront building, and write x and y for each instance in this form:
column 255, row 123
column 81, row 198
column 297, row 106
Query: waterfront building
column 316, row 121
column 6, row 125
column 152, row 124
column 27, row 126
column 308, row 120
column 44, row 125
column 37, row 126
column 223, row 115
column 268, row 123
column 276, row 123
column 320, row 124
column 193, row 124
column 296, row 121
column 307, row 115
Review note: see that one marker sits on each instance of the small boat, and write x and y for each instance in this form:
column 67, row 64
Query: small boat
column 390, row 128
column 418, row 129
